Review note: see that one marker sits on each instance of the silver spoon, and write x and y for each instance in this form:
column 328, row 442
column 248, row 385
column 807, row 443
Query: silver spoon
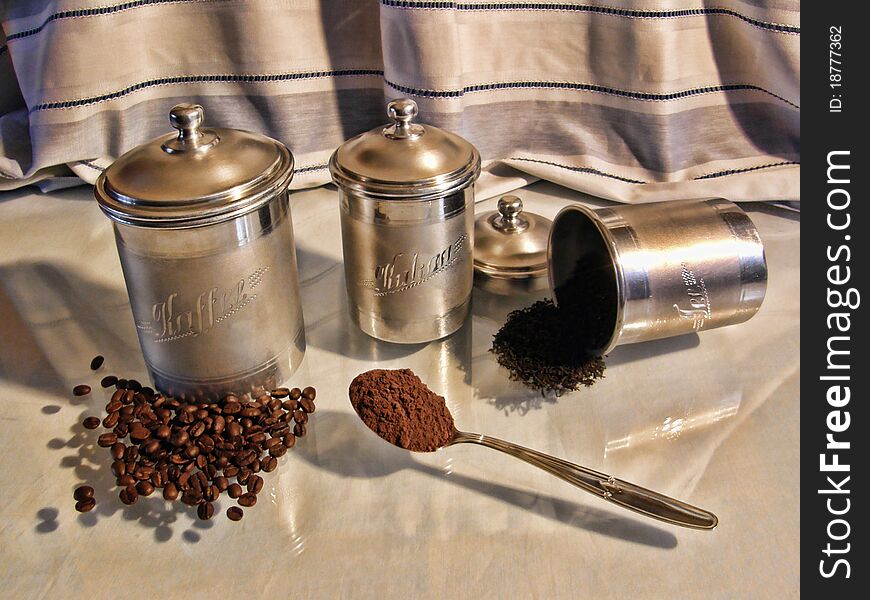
column 625, row 494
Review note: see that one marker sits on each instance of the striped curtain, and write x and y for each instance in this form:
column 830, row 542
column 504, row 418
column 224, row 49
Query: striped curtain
column 632, row 101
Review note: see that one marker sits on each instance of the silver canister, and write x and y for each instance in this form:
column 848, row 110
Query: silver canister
column 649, row 271
column 204, row 234
column 406, row 194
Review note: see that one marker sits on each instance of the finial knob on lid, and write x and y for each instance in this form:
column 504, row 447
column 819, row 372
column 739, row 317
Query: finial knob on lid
column 188, row 120
column 509, row 209
column 402, row 112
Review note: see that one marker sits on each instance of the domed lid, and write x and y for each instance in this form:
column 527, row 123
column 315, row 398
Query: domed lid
column 510, row 243
column 194, row 177
column 405, row 159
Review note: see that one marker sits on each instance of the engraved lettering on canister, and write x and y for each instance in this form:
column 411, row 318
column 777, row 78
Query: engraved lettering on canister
column 699, row 310
column 408, row 269
column 177, row 317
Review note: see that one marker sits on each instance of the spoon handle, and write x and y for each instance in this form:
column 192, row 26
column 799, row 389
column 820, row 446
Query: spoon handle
column 625, row 494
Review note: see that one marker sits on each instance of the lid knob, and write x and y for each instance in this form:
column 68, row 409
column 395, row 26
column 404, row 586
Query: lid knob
column 510, row 220
column 402, row 112
column 188, row 119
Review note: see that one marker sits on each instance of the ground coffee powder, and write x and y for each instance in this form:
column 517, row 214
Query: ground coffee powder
column 399, row 407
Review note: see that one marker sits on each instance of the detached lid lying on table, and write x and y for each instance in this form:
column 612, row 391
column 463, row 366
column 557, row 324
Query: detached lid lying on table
column 405, row 159
column 510, row 249
column 194, row 177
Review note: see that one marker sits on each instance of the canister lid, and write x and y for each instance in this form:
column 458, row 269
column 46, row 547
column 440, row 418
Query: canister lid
column 510, row 244
column 193, row 177
column 405, row 159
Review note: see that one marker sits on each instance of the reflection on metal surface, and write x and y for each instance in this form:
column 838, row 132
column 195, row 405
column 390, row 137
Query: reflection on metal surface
column 673, row 426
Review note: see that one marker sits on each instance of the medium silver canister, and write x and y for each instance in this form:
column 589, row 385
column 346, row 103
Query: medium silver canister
column 406, row 193
column 649, row 271
column 203, row 228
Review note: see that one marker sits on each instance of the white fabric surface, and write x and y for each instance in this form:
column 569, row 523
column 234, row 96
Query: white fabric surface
column 712, row 419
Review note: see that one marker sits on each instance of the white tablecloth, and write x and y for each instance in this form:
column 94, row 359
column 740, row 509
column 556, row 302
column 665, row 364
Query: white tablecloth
column 711, row 419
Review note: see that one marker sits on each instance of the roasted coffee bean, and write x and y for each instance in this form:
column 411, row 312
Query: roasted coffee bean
column 217, row 426
column 295, row 393
column 163, row 432
column 139, row 433
column 290, row 405
column 210, row 471
column 307, row 404
column 145, row 488
column 231, row 408
column 269, row 463
column 190, row 498
column 82, row 390
column 126, row 480
column 201, row 461
column 211, row 493
column 119, row 468
column 289, row 441
column 299, row 430
column 250, row 411
column 114, row 406
column 170, row 492
column 255, row 466
column 157, row 479
column 91, row 422
column 108, row 381
column 129, row 495
column 234, row 513
column 134, row 385
column 131, row 453
column 221, row 483
column 309, row 393
column 300, row 416
column 83, row 492
column 273, row 404
column 278, row 451
column 118, row 449
column 97, row 362
column 151, row 446
column 129, row 396
column 231, row 471
column 234, row 429
column 280, row 393
column 205, row 511
column 206, row 443
column 247, row 500
column 257, row 438
column 272, row 442
column 111, row 420
column 180, row 438
column 121, row 384
column 106, row 440
column 234, row 490
column 86, row 505
column 244, row 474
column 197, row 429
column 191, row 451
column 245, row 458
column 254, row 484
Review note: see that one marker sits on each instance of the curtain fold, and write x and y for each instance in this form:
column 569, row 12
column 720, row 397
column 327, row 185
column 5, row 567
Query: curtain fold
column 632, row 101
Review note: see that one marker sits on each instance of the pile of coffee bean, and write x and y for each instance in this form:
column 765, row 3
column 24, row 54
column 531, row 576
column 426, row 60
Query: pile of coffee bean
column 192, row 449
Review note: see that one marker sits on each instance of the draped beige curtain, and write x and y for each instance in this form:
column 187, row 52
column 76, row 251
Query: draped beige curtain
column 633, row 101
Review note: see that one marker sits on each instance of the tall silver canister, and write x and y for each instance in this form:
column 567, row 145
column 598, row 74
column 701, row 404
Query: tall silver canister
column 649, row 271
column 203, row 228
column 407, row 225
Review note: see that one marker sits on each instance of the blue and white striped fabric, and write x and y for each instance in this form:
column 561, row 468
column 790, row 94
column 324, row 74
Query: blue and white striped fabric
column 633, row 101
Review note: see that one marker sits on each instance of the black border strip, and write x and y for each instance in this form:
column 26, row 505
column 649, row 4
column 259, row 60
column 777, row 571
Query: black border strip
column 585, row 87
column 227, row 78
column 606, row 10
